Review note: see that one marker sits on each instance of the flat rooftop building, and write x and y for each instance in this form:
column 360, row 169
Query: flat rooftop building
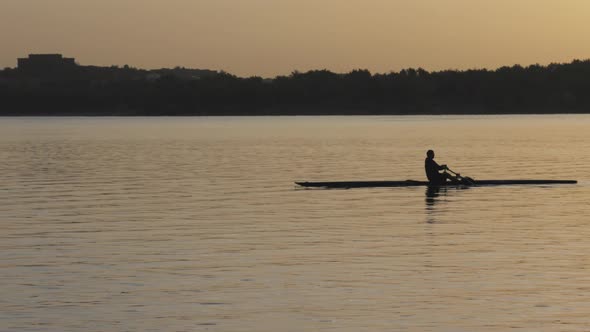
column 45, row 63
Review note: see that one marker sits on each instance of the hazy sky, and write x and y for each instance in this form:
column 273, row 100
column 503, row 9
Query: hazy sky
column 272, row 37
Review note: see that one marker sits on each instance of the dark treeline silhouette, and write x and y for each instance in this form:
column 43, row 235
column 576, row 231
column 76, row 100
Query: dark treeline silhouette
column 91, row 90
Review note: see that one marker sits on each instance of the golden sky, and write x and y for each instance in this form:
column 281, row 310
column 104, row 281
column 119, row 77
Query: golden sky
column 275, row 37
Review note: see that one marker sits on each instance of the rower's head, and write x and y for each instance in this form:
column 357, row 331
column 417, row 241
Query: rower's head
column 430, row 154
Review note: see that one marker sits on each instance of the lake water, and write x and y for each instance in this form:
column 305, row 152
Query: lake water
column 194, row 224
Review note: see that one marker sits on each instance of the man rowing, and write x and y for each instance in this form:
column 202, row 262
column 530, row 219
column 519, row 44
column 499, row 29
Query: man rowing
column 435, row 177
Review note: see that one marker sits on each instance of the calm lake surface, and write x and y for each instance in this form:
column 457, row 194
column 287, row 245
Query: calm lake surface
column 194, row 224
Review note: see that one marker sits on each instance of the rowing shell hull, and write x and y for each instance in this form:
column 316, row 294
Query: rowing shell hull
column 412, row 183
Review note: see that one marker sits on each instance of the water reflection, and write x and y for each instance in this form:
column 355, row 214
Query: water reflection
column 432, row 192
column 435, row 195
column 432, row 199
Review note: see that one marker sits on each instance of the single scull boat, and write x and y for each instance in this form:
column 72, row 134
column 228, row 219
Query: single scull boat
column 413, row 183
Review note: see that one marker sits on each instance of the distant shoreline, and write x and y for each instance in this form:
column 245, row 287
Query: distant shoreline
column 51, row 85
column 309, row 111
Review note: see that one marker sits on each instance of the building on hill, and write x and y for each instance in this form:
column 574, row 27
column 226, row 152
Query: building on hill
column 45, row 63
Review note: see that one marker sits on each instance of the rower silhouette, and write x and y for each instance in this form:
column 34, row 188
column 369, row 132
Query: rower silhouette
column 435, row 177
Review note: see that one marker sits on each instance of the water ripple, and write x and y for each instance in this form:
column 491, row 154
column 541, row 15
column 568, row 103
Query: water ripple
column 190, row 224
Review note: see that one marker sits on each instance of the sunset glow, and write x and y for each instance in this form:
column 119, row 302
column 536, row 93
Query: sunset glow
column 270, row 37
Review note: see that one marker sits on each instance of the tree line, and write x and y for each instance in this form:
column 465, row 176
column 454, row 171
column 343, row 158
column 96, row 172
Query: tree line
column 556, row 88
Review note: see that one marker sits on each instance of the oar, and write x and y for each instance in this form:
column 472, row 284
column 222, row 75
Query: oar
column 461, row 178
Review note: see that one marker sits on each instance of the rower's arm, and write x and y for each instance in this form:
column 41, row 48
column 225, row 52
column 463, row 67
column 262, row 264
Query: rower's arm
column 439, row 167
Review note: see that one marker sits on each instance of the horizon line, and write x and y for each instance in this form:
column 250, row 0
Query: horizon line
column 298, row 71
